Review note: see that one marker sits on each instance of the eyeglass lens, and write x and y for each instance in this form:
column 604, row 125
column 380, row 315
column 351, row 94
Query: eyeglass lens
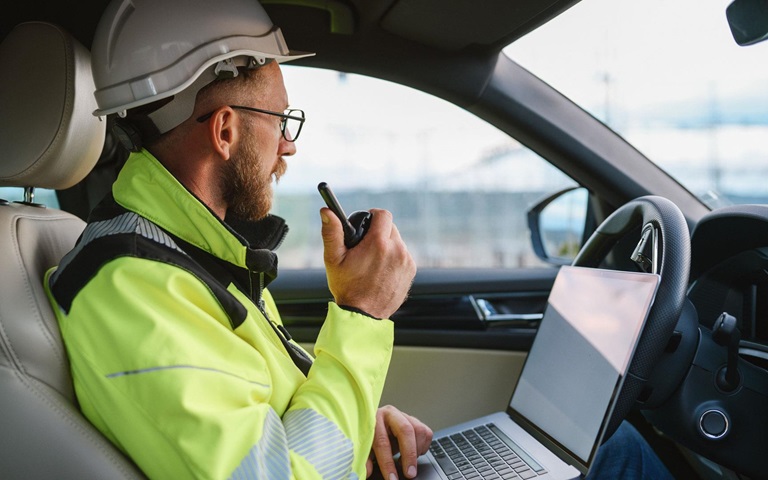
column 292, row 126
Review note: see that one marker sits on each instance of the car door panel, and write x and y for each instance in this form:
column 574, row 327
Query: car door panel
column 460, row 339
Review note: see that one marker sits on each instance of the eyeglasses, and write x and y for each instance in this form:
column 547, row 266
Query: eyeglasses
column 292, row 120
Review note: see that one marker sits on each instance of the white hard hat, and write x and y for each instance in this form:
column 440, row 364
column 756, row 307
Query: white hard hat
column 147, row 50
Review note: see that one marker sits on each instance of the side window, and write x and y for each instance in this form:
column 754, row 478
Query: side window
column 458, row 188
column 42, row 195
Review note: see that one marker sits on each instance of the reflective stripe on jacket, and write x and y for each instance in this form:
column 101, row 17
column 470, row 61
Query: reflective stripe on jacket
column 188, row 375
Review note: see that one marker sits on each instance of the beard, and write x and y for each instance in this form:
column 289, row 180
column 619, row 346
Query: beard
column 246, row 184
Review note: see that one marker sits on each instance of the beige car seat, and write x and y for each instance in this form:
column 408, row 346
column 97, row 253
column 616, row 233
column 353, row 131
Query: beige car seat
column 48, row 138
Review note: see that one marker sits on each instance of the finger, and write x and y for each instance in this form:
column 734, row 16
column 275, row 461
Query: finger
column 404, row 255
column 369, row 466
column 404, row 432
column 382, row 448
column 333, row 236
column 423, row 434
column 395, row 233
column 381, row 223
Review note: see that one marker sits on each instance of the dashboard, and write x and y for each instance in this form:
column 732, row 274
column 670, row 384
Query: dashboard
column 720, row 408
column 729, row 272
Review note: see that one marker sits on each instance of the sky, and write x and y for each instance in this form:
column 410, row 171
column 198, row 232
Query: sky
column 362, row 131
column 655, row 52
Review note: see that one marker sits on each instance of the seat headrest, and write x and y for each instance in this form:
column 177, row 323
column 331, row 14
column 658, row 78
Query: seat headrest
column 49, row 137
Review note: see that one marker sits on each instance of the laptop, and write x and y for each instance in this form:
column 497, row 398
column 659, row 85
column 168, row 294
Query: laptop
column 567, row 389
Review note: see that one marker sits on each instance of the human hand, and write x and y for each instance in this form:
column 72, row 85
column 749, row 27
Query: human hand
column 376, row 274
column 411, row 438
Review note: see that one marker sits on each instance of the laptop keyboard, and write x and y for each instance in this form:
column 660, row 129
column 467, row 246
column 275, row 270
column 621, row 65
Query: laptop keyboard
column 483, row 452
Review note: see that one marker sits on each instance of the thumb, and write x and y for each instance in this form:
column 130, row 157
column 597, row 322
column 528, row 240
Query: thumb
column 333, row 237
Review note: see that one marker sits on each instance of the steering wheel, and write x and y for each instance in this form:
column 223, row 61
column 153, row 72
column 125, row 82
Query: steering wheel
column 664, row 248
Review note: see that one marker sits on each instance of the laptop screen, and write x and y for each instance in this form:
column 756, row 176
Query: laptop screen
column 576, row 366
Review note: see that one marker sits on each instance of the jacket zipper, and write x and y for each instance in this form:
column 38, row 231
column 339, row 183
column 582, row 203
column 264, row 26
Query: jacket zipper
column 279, row 329
column 299, row 358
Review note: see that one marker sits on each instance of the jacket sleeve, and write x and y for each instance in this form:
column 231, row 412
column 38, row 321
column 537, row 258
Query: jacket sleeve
column 352, row 355
column 159, row 370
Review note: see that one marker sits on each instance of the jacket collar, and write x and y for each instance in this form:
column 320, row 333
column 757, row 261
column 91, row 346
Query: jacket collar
column 146, row 187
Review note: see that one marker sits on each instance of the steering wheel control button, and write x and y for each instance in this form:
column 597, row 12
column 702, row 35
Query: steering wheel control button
column 714, row 424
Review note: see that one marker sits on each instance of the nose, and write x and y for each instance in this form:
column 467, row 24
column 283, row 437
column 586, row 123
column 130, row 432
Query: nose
column 286, row 148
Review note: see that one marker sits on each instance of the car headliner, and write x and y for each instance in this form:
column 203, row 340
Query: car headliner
column 443, row 25
column 366, row 34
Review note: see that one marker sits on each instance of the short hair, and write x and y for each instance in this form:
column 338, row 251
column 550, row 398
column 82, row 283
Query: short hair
column 232, row 90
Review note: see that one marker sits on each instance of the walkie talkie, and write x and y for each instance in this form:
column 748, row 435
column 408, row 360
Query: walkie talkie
column 355, row 225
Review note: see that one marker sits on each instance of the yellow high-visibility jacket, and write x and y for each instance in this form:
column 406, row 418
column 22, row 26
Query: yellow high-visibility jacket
column 178, row 353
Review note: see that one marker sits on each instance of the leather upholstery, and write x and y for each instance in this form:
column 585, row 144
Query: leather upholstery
column 48, row 135
column 48, row 138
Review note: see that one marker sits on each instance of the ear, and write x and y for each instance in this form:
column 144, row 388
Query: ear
column 223, row 131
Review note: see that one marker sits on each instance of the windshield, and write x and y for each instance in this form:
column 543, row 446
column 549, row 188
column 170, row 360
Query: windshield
column 669, row 78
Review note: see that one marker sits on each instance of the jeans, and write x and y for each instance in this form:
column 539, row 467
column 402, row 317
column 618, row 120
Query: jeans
column 627, row 456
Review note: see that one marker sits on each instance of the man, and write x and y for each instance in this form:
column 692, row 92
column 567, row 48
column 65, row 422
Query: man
column 177, row 350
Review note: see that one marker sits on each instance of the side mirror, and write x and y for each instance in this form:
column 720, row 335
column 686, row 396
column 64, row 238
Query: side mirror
column 559, row 225
column 748, row 20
